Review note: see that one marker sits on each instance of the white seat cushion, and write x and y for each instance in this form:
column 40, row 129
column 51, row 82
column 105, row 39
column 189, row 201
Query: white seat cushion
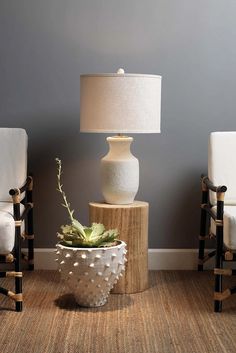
column 7, row 227
column 229, row 226
column 13, row 160
column 222, row 164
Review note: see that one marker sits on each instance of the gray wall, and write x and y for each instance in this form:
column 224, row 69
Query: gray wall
column 44, row 47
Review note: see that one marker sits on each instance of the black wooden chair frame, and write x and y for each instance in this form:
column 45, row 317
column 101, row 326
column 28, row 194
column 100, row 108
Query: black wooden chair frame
column 221, row 253
column 17, row 256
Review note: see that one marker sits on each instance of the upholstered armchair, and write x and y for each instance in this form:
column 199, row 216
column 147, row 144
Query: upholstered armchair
column 218, row 211
column 16, row 209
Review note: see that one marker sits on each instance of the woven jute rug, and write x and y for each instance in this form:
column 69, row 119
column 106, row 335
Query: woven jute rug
column 174, row 315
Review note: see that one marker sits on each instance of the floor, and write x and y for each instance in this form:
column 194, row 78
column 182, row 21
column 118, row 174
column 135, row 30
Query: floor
column 174, row 315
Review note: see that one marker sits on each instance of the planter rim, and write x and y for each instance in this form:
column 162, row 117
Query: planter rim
column 120, row 242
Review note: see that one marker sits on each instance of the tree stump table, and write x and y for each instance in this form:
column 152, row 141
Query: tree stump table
column 132, row 223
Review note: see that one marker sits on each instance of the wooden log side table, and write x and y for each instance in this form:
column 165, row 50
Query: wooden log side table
column 132, row 223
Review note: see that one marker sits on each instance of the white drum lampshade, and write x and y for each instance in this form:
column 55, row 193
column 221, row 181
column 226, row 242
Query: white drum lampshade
column 120, row 103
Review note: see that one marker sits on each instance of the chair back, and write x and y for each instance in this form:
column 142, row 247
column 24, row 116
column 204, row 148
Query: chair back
column 13, row 160
column 222, row 164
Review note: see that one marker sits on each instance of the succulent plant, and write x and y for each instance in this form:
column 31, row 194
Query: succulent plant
column 77, row 235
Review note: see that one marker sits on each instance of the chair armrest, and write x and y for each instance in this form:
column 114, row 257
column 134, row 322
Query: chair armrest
column 15, row 194
column 220, row 191
column 27, row 186
column 211, row 186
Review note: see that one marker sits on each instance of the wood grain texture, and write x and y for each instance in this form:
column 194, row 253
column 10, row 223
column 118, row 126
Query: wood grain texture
column 132, row 223
column 175, row 315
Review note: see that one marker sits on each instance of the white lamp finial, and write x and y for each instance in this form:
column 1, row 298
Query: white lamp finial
column 121, row 71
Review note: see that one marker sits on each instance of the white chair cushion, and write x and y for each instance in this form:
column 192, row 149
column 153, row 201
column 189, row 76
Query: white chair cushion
column 13, row 160
column 7, row 228
column 229, row 226
column 222, row 164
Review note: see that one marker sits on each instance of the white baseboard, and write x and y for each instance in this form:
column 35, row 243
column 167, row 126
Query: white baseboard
column 158, row 259
column 175, row 259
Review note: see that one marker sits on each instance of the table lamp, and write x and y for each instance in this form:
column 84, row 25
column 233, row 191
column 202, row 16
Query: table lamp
column 120, row 103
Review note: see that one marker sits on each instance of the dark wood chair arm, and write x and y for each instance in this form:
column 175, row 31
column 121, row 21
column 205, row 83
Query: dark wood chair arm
column 27, row 186
column 211, row 186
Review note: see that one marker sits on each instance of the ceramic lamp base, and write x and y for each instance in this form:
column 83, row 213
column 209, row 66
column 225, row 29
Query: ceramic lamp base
column 120, row 172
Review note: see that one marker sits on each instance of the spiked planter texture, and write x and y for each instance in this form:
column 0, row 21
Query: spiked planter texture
column 91, row 273
column 90, row 259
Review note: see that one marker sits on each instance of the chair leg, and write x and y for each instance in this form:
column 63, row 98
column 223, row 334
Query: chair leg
column 218, row 264
column 201, row 253
column 17, row 251
column 30, row 241
column 218, row 288
column 30, row 226
column 19, row 306
column 18, row 280
column 203, row 229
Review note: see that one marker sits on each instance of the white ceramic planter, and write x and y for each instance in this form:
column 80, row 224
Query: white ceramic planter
column 91, row 273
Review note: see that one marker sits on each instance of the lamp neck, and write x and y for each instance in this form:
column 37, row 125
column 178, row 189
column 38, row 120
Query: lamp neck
column 119, row 146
